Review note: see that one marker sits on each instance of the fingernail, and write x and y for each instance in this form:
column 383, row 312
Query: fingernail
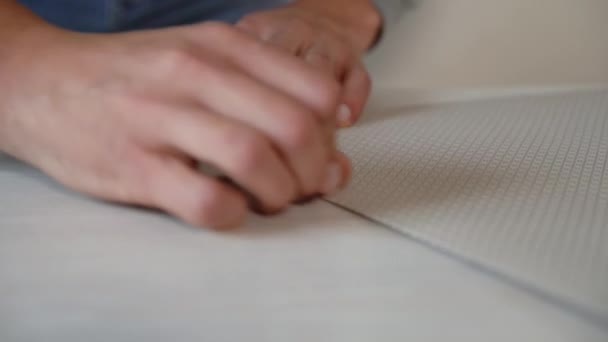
column 333, row 179
column 344, row 115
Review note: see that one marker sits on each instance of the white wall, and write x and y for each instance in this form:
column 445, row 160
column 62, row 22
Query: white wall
column 477, row 43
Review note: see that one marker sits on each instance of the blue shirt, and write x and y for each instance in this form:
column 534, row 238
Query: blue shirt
column 121, row 15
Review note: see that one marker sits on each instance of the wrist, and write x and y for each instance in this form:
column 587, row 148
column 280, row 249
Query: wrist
column 22, row 34
column 360, row 20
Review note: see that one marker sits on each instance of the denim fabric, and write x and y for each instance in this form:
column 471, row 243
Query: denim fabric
column 122, row 15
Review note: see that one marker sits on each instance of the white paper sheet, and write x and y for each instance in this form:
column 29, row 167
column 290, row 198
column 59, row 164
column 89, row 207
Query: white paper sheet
column 519, row 186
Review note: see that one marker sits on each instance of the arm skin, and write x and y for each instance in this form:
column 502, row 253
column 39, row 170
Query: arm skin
column 15, row 18
column 17, row 22
column 20, row 32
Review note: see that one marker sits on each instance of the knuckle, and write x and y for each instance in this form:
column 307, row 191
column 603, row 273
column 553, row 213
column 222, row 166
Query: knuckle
column 248, row 22
column 221, row 71
column 255, row 44
column 301, row 26
column 177, row 61
column 327, row 93
column 219, row 29
column 343, row 66
column 248, row 150
column 300, row 130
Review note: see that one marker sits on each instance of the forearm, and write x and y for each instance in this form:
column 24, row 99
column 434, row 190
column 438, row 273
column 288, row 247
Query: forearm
column 15, row 19
column 21, row 35
column 21, row 31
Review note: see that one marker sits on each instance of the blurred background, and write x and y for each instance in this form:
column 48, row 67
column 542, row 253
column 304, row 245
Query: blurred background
column 474, row 44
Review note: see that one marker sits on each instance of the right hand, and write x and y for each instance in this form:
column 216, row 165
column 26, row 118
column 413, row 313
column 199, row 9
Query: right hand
column 126, row 117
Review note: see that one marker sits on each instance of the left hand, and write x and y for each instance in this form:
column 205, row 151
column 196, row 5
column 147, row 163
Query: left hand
column 331, row 35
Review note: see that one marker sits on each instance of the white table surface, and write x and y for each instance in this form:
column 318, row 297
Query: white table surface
column 72, row 269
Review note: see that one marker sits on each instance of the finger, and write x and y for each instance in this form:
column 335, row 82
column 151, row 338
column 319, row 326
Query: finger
column 356, row 91
column 321, row 61
column 193, row 197
column 339, row 174
column 292, row 127
column 310, row 86
column 274, row 67
column 252, row 25
column 332, row 57
column 241, row 152
column 288, row 41
column 324, row 63
column 345, row 167
column 337, row 58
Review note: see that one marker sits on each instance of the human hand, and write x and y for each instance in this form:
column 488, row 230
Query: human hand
column 127, row 117
column 330, row 35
